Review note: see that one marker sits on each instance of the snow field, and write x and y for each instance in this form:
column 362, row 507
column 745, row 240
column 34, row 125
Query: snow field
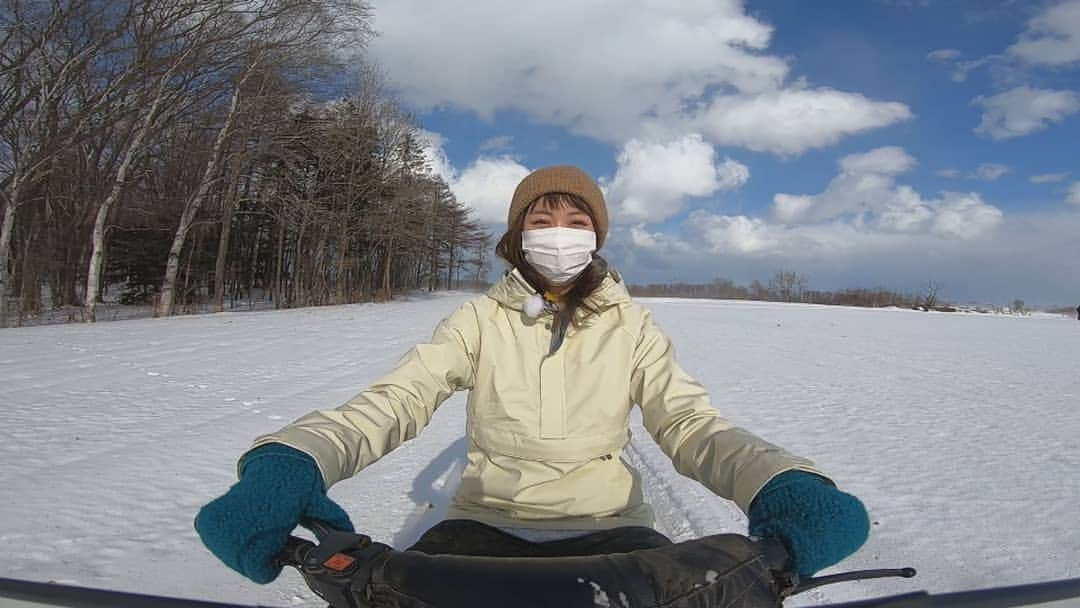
column 961, row 433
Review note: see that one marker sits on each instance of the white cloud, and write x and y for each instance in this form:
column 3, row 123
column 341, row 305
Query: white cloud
column 792, row 208
column 499, row 142
column 731, row 175
column 1024, row 110
column 961, row 218
column 899, row 239
column 791, row 121
column 1073, row 198
column 652, row 182
column 1023, row 257
column 487, row 185
column 865, row 183
column 656, row 242
column 735, row 234
column 865, row 195
column 654, row 179
column 965, row 216
column 989, row 172
column 1052, row 37
column 1048, row 178
column 599, row 80
column 753, row 238
column 906, row 213
column 432, row 148
column 616, row 72
column 905, row 4
column 943, row 55
column 960, row 69
column 986, row 172
column 889, row 160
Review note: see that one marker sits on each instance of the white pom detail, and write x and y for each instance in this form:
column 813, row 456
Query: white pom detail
column 534, row 305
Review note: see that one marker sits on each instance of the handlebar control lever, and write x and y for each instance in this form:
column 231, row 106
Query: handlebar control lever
column 339, row 567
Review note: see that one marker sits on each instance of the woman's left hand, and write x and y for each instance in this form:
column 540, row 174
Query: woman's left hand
column 819, row 524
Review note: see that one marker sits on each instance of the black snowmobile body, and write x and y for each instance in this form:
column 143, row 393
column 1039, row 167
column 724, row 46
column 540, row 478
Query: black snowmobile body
column 731, row 571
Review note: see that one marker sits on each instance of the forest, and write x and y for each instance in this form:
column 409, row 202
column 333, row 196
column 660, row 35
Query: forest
column 190, row 152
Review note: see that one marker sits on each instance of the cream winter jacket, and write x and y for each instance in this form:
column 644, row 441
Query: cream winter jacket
column 546, row 430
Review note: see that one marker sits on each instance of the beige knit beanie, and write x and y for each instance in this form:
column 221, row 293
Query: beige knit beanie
column 566, row 179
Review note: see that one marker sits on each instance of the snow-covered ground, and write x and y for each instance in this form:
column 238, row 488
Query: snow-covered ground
column 960, row 432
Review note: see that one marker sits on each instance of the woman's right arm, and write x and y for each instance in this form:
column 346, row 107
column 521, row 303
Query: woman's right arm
column 392, row 410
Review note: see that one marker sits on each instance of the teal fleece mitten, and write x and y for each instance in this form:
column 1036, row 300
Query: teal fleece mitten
column 248, row 526
column 819, row 524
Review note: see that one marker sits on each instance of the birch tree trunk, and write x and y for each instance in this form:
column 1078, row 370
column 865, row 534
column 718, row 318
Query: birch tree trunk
column 342, row 268
column 29, row 277
column 93, row 273
column 386, row 270
column 97, row 253
column 296, row 276
column 253, row 265
column 223, row 243
column 172, row 266
column 278, row 289
column 6, row 231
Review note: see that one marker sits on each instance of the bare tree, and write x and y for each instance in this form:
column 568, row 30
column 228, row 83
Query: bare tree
column 787, row 286
column 195, row 201
column 1018, row 307
column 272, row 30
column 133, row 135
column 931, row 294
column 168, row 48
column 49, row 50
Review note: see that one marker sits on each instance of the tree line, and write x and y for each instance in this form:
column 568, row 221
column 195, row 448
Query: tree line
column 203, row 150
column 789, row 286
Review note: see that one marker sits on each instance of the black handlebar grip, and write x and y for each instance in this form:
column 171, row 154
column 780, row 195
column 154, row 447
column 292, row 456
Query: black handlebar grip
column 320, row 528
column 295, row 551
column 775, row 552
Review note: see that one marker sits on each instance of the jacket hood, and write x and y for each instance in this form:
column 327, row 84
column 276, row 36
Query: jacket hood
column 512, row 289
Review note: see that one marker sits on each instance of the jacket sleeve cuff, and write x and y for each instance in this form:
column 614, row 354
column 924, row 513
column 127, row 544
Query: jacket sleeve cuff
column 752, row 487
column 304, row 447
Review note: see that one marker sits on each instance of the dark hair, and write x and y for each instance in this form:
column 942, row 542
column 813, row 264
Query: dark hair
column 509, row 249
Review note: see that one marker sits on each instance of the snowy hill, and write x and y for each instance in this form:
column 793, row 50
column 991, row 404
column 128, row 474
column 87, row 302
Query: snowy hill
column 960, row 432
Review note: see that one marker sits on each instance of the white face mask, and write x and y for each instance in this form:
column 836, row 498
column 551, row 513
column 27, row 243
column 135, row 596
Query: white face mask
column 559, row 254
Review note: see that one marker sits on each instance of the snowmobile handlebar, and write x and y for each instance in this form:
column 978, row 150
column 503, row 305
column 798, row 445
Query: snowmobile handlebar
column 351, row 571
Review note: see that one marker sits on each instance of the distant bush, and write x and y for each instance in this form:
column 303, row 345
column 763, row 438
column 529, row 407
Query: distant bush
column 1068, row 311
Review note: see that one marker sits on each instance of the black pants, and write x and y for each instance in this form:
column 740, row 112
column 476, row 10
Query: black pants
column 466, row 537
column 466, row 564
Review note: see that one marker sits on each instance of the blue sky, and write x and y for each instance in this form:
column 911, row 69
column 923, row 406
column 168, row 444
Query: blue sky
column 886, row 143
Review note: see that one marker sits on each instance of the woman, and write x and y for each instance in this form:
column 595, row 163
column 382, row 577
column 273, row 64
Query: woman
column 554, row 356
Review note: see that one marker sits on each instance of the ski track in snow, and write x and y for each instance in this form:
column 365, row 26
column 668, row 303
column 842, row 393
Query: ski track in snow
column 960, row 432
